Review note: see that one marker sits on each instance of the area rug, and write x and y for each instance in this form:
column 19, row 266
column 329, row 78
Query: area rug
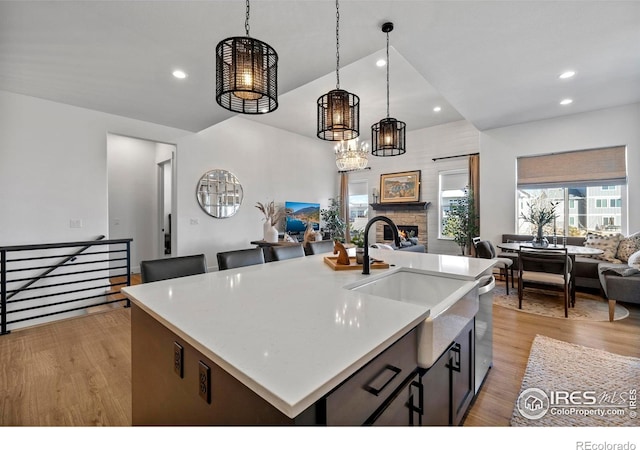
column 570, row 385
column 551, row 304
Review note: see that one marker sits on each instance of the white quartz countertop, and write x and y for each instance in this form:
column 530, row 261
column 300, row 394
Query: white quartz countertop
column 289, row 330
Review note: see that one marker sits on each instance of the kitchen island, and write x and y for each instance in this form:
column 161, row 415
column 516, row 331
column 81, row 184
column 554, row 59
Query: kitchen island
column 270, row 343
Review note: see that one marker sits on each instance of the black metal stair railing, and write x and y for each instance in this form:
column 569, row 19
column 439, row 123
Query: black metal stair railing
column 38, row 281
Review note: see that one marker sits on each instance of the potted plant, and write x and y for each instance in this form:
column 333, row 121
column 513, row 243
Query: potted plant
column 461, row 221
column 541, row 212
column 333, row 222
column 357, row 239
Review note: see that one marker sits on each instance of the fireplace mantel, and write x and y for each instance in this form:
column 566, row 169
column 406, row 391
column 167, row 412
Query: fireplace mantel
column 416, row 206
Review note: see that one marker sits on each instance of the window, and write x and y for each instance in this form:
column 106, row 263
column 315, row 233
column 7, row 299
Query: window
column 452, row 186
column 589, row 187
column 598, row 215
column 358, row 204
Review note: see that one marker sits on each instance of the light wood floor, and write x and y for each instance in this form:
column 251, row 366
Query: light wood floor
column 78, row 371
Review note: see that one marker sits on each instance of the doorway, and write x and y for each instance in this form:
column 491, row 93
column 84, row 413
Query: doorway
column 141, row 190
column 165, row 179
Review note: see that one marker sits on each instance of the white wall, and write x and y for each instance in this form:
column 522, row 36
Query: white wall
column 500, row 148
column 422, row 145
column 271, row 164
column 53, row 168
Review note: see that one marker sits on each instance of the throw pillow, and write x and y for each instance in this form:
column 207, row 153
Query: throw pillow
column 628, row 246
column 607, row 243
column 634, row 260
column 382, row 246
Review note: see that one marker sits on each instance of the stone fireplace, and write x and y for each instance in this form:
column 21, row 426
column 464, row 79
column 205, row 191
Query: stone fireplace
column 407, row 216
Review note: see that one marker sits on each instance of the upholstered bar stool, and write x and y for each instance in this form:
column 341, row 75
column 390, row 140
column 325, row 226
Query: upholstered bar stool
column 240, row 258
column 485, row 249
column 166, row 268
column 317, row 247
column 280, row 253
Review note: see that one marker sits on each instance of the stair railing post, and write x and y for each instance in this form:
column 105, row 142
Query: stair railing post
column 3, row 291
column 128, row 270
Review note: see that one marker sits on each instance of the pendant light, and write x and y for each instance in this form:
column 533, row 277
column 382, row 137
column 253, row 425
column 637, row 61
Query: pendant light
column 246, row 74
column 388, row 135
column 338, row 110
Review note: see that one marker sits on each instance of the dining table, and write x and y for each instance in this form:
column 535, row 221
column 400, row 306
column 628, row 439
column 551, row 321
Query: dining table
column 572, row 252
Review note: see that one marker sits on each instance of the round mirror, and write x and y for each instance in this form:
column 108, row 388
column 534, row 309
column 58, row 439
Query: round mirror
column 219, row 193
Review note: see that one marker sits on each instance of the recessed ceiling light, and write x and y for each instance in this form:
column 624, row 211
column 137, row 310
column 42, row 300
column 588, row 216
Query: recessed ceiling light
column 567, row 74
column 381, row 63
column 566, row 101
column 437, row 109
column 179, row 74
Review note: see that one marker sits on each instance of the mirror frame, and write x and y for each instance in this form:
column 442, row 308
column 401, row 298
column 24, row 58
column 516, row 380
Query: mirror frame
column 219, row 193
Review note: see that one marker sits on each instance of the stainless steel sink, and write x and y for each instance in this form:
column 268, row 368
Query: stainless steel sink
column 451, row 302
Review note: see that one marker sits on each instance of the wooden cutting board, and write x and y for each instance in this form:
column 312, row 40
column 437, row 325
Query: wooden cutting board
column 331, row 261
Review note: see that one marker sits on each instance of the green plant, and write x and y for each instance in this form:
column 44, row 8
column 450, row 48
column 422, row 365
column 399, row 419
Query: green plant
column 333, row 222
column 357, row 237
column 461, row 222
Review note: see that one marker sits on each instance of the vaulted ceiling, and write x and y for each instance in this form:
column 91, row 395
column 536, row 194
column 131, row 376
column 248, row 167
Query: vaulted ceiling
column 491, row 63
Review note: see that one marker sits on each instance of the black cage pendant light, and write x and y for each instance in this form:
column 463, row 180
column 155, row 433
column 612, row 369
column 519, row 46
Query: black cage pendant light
column 246, row 74
column 388, row 135
column 338, row 110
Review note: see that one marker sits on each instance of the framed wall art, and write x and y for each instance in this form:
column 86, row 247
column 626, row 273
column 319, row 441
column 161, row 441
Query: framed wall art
column 400, row 187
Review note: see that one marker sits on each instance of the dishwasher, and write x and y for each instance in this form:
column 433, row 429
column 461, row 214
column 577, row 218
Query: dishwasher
column 484, row 329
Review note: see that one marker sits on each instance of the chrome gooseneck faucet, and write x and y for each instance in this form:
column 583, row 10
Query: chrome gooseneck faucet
column 396, row 238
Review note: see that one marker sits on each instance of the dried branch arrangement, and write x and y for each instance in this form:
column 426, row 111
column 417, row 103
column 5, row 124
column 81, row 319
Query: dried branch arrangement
column 272, row 214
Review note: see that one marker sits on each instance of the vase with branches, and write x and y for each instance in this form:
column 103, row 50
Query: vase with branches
column 540, row 212
column 272, row 215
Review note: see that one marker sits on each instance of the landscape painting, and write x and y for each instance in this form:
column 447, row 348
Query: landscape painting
column 400, row 187
column 300, row 214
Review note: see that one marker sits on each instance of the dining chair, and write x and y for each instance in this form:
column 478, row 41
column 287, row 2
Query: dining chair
column 240, row 258
column 166, row 268
column 282, row 252
column 486, row 250
column 544, row 268
column 317, row 247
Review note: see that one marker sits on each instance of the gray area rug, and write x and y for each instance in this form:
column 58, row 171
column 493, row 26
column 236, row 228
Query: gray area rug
column 570, row 385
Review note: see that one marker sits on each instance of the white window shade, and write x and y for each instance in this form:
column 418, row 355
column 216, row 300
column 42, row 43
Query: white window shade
column 450, row 181
column 595, row 167
column 358, row 187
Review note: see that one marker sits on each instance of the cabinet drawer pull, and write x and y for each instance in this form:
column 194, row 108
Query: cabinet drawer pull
column 454, row 363
column 412, row 407
column 380, row 379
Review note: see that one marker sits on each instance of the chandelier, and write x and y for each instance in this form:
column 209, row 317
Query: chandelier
column 388, row 135
column 350, row 156
column 246, row 74
column 338, row 110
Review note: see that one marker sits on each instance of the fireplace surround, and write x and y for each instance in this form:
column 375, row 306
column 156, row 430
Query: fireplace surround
column 410, row 215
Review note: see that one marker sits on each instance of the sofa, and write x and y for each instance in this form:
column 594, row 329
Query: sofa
column 610, row 272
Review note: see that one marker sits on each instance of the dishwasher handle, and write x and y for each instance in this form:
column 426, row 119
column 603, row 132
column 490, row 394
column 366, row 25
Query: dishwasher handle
column 486, row 283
